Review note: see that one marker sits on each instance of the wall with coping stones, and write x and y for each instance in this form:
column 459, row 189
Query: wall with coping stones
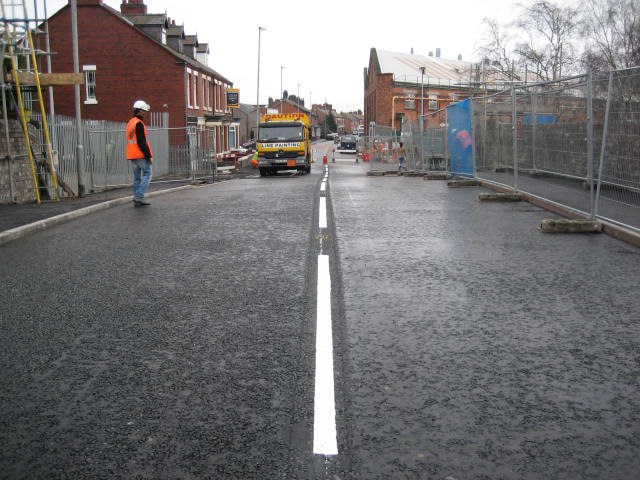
column 23, row 191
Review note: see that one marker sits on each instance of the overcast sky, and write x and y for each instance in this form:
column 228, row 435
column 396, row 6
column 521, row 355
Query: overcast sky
column 323, row 45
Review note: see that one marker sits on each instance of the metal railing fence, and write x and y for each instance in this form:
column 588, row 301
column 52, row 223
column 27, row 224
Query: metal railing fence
column 104, row 153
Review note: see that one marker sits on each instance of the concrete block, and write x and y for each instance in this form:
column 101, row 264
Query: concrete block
column 500, row 197
column 375, row 173
column 435, row 176
column 570, row 226
column 462, row 183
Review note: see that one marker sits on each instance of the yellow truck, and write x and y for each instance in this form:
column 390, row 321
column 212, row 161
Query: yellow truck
column 284, row 143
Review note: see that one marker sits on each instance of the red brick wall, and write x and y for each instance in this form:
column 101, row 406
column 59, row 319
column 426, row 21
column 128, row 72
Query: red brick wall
column 380, row 106
column 378, row 98
column 129, row 66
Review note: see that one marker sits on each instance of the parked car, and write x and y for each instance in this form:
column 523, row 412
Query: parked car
column 331, row 136
column 250, row 146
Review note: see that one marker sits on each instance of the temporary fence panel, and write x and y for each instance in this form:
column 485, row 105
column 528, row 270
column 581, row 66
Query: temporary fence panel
column 434, row 146
column 410, row 138
column 460, row 140
column 379, row 148
column 547, row 139
column 617, row 114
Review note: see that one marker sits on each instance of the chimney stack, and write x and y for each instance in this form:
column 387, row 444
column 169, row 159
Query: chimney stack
column 133, row 7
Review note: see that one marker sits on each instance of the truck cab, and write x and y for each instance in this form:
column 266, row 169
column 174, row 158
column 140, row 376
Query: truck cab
column 284, row 143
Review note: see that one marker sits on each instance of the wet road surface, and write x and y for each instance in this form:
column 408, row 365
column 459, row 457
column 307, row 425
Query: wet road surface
column 178, row 341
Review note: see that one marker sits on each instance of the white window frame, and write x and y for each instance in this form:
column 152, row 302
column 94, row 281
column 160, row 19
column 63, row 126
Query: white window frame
column 207, row 93
column 433, row 101
column 195, row 89
column 90, row 84
column 189, row 88
column 410, row 101
column 218, row 87
column 233, row 131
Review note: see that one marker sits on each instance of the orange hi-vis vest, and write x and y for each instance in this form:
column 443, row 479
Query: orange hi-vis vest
column 133, row 150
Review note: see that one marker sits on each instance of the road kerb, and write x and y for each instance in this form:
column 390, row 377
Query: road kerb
column 23, row 230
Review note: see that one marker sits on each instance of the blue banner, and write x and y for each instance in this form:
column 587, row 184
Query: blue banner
column 460, row 138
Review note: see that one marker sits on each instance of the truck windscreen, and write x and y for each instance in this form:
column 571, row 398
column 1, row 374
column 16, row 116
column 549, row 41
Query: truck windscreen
column 273, row 132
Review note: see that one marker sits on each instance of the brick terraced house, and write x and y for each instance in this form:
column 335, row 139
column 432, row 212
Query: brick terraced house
column 130, row 54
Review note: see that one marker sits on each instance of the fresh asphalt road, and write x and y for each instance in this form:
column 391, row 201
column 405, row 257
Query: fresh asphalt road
column 177, row 341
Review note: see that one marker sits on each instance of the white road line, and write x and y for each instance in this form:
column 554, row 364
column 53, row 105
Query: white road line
column 323, row 213
column 323, row 186
column 325, row 440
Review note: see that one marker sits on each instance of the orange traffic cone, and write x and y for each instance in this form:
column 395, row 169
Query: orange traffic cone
column 324, row 159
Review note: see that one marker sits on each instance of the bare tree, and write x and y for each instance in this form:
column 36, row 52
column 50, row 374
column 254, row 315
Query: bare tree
column 550, row 31
column 611, row 29
column 496, row 51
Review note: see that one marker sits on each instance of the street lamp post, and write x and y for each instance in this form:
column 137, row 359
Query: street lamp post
column 298, row 99
column 421, row 115
column 260, row 29
column 310, row 111
column 76, row 65
column 281, row 91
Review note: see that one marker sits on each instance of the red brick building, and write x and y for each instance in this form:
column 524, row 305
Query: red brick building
column 128, row 55
column 289, row 106
column 396, row 87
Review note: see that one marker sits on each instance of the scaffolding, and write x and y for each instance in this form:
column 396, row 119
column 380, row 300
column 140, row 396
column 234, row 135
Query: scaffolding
column 21, row 84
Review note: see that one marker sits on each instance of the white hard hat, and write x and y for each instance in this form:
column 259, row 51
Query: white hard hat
column 142, row 105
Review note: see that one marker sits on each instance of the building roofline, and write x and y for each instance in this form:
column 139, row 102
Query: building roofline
column 184, row 58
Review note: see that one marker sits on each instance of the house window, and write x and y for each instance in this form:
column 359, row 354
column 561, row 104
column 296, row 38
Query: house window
column 195, row 89
column 188, row 88
column 433, row 101
column 90, row 84
column 207, row 93
column 410, row 101
column 216, row 93
column 232, row 136
column 203, row 95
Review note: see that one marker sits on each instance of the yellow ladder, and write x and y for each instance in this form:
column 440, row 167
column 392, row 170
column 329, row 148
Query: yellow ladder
column 12, row 36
